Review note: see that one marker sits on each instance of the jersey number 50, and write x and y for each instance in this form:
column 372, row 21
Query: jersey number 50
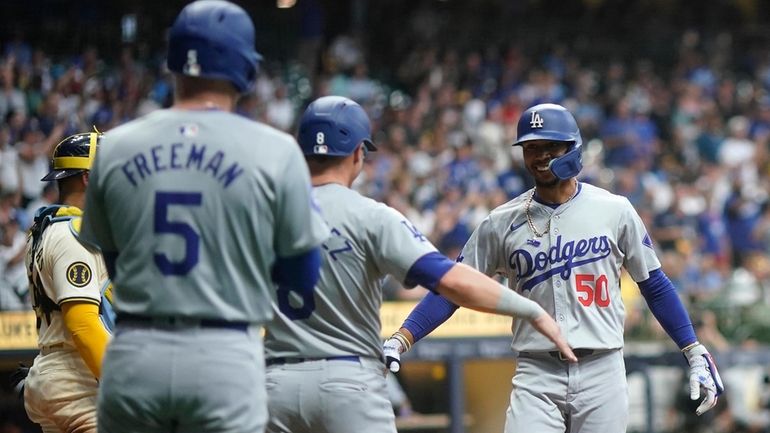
column 594, row 288
column 163, row 226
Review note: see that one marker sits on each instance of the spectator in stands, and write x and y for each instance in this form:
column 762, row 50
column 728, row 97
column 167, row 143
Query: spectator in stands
column 14, row 293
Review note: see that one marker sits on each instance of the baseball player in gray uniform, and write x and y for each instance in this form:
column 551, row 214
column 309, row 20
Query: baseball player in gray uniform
column 324, row 355
column 563, row 244
column 198, row 211
column 66, row 281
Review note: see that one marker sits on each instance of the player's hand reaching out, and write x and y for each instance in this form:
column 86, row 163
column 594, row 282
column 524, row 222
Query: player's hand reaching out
column 402, row 340
column 545, row 325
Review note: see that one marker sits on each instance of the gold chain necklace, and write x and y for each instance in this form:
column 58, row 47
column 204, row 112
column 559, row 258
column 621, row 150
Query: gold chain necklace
column 548, row 224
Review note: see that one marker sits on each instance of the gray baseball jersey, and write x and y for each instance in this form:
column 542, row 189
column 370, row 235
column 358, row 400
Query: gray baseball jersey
column 198, row 203
column 573, row 271
column 368, row 241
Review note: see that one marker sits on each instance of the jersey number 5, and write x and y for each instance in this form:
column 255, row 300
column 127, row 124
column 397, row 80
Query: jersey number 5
column 163, row 226
column 594, row 288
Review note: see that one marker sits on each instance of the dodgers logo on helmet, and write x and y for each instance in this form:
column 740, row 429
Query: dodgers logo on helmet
column 553, row 122
column 536, row 121
column 214, row 39
column 334, row 126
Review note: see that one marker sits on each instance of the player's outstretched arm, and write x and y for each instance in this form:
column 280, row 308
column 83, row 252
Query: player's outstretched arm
column 470, row 288
column 467, row 287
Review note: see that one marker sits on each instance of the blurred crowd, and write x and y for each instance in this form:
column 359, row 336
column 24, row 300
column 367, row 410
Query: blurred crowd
column 685, row 141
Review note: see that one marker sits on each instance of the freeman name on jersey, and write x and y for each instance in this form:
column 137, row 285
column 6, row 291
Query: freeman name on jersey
column 525, row 264
column 181, row 156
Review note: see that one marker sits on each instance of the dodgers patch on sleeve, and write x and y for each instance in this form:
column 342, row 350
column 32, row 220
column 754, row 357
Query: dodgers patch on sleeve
column 647, row 241
column 415, row 232
column 79, row 274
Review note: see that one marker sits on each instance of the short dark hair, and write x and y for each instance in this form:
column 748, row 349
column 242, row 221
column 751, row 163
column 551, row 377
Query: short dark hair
column 187, row 87
column 321, row 163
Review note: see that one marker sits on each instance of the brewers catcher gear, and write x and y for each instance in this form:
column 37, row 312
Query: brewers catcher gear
column 334, row 126
column 73, row 155
column 214, row 39
column 553, row 122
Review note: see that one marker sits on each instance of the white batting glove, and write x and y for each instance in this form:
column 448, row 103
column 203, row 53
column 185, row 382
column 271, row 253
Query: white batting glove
column 703, row 375
column 392, row 349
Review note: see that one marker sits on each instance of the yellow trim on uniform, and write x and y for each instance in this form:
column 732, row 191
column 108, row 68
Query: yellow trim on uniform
column 88, row 332
column 79, row 299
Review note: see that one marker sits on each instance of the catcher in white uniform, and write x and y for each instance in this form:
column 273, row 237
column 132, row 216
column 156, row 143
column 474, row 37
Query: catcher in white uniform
column 67, row 281
column 563, row 244
column 324, row 354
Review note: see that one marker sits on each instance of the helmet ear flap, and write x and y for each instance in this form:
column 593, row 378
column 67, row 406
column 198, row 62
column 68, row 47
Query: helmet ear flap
column 568, row 165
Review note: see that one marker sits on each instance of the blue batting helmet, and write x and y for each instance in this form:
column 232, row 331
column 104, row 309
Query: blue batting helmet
column 553, row 122
column 214, row 39
column 333, row 125
column 73, row 155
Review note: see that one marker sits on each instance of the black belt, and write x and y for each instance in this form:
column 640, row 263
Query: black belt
column 281, row 361
column 579, row 353
column 179, row 321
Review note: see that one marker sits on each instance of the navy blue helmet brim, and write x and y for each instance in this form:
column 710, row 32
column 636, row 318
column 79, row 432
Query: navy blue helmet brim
column 61, row 174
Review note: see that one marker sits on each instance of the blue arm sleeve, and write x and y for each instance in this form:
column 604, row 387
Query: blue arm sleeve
column 299, row 272
column 666, row 306
column 431, row 312
column 434, row 309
